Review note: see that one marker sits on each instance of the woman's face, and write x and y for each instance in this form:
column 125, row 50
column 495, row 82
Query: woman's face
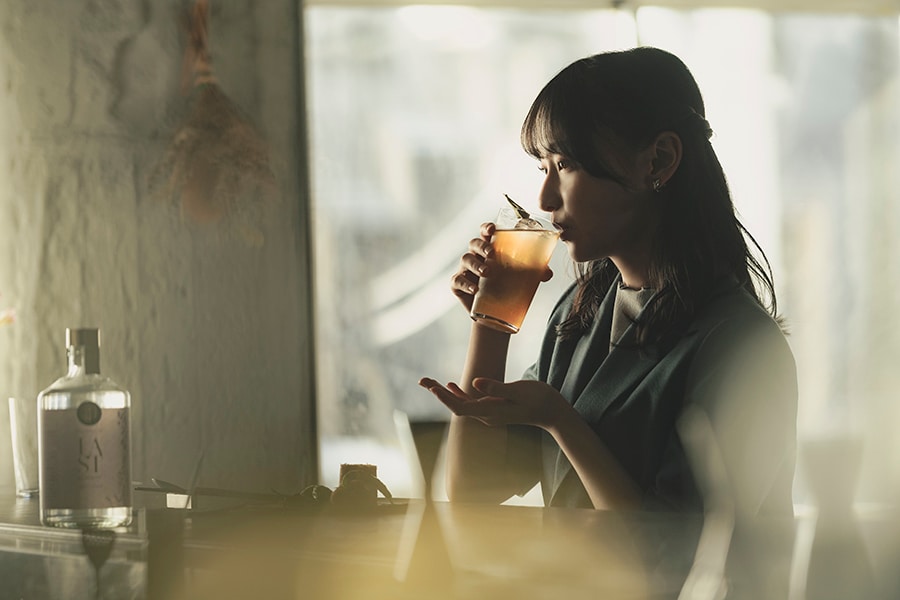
column 600, row 217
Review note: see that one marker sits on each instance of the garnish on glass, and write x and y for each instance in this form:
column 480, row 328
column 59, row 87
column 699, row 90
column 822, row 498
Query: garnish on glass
column 525, row 221
column 520, row 212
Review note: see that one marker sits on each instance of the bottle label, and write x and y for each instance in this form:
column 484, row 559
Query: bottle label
column 85, row 458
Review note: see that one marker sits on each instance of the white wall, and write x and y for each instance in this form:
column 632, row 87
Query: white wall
column 206, row 330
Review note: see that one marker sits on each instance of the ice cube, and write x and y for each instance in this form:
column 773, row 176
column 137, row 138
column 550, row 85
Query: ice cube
column 527, row 224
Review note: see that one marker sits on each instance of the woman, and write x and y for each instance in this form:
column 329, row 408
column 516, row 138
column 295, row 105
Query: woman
column 670, row 312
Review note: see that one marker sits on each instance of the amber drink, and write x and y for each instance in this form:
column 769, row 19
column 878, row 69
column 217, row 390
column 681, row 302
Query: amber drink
column 522, row 249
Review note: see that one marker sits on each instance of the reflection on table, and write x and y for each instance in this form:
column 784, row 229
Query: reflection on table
column 38, row 562
column 403, row 550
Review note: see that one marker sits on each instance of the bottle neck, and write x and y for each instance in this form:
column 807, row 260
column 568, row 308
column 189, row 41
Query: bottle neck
column 84, row 359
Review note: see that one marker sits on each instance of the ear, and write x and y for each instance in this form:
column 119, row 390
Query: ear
column 664, row 155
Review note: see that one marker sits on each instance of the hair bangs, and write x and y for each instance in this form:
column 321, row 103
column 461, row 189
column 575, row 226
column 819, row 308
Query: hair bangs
column 543, row 131
column 556, row 124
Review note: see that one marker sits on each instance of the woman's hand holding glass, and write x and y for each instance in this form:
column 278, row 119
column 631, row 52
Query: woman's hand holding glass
column 475, row 264
column 472, row 266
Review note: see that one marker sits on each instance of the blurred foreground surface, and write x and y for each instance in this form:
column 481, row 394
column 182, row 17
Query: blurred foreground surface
column 264, row 548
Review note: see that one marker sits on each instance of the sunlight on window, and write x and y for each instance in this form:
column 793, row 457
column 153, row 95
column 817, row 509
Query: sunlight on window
column 448, row 27
column 414, row 139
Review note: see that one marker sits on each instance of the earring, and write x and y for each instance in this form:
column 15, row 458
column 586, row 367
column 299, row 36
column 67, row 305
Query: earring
column 657, row 184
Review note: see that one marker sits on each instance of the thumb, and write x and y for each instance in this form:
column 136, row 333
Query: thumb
column 488, row 386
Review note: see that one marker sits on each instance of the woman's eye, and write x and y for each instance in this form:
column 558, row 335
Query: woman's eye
column 560, row 165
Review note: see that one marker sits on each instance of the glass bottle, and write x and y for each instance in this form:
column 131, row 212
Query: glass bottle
column 84, row 442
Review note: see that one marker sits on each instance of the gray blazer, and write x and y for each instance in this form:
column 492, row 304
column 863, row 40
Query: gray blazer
column 733, row 362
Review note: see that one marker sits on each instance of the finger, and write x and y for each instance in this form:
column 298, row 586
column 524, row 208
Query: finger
column 451, row 395
column 487, row 230
column 453, row 387
column 428, row 383
column 548, row 275
column 489, row 387
column 462, row 285
column 489, row 410
column 474, row 263
column 481, row 247
column 456, row 404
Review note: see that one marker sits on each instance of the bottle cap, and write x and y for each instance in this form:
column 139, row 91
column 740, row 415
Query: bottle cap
column 83, row 336
column 88, row 339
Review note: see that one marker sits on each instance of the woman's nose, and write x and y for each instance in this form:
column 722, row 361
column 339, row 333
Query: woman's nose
column 548, row 198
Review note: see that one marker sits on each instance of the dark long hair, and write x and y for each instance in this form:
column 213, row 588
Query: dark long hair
column 604, row 107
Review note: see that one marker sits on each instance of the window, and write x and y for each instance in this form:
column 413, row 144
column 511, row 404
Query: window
column 414, row 117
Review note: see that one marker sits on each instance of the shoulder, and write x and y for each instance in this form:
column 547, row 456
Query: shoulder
column 732, row 314
column 737, row 342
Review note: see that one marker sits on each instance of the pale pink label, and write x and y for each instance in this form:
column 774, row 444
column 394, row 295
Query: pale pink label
column 85, row 458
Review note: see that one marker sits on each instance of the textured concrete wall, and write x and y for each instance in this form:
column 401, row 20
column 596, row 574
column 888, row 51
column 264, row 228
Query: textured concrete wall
column 207, row 331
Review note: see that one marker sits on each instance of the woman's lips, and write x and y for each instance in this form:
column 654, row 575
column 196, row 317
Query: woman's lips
column 563, row 232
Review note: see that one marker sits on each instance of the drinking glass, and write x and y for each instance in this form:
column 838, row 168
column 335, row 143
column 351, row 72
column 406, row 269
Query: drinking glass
column 522, row 250
column 23, row 430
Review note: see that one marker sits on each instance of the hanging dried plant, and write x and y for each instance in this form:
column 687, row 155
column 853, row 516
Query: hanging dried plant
column 216, row 167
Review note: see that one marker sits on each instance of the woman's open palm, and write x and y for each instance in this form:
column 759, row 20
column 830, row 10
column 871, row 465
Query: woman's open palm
column 520, row 402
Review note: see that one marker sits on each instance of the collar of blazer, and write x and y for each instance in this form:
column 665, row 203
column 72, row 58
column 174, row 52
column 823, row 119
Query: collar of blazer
column 594, row 389
column 598, row 388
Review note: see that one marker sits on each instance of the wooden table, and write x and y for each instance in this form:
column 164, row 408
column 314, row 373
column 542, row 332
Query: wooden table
column 449, row 551
column 454, row 551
